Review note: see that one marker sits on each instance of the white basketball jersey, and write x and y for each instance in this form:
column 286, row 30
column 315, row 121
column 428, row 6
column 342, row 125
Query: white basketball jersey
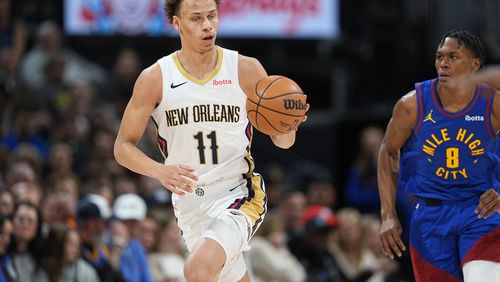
column 203, row 123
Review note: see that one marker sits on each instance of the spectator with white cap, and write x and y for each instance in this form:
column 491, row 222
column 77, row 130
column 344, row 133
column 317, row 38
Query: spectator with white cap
column 129, row 210
column 92, row 213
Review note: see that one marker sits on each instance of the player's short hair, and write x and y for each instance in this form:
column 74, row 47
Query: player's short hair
column 171, row 8
column 469, row 40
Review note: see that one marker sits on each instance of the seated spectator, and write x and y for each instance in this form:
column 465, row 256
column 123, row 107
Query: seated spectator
column 148, row 235
column 130, row 210
column 321, row 192
column 352, row 257
column 269, row 256
column 62, row 257
column 385, row 268
column 361, row 186
column 13, row 37
column 27, row 192
column 48, row 43
column 26, row 129
column 6, row 267
column 26, row 245
column 290, row 212
column 311, row 246
column 7, row 203
column 92, row 214
column 19, row 171
column 167, row 262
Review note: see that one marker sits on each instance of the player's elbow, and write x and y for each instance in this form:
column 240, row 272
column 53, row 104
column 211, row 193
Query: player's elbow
column 118, row 151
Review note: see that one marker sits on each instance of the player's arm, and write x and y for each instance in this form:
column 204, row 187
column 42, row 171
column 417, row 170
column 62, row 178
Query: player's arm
column 146, row 95
column 489, row 75
column 489, row 202
column 398, row 131
column 250, row 71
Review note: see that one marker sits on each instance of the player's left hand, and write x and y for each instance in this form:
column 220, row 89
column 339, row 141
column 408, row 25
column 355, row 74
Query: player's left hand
column 295, row 125
column 489, row 202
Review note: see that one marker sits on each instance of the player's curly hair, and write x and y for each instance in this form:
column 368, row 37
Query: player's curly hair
column 171, row 8
column 469, row 40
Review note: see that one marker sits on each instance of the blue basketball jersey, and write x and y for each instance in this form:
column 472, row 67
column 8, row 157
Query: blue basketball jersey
column 450, row 156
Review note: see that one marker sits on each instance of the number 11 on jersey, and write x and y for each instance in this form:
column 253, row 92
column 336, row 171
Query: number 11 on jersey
column 201, row 146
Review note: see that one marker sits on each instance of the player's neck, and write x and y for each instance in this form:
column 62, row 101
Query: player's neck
column 198, row 64
column 454, row 98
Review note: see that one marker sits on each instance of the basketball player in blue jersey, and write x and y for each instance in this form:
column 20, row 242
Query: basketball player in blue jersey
column 196, row 98
column 446, row 134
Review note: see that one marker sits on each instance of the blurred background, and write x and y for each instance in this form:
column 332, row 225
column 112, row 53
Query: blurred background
column 67, row 68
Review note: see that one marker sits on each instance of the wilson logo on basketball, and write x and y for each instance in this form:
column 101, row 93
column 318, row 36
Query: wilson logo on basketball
column 294, row 104
column 221, row 82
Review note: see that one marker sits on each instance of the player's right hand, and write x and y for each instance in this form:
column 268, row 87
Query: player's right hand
column 390, row 237
column 178, row 178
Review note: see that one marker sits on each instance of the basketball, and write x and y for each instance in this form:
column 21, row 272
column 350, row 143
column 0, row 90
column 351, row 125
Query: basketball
column 276, row 105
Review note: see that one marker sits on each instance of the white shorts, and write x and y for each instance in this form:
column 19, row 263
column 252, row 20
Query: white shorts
column 228, row 212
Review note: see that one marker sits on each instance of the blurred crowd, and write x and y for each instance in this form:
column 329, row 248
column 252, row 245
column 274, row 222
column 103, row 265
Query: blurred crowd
column 69, row 212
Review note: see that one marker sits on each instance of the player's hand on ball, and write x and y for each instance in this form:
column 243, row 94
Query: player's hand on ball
column 178, row 178
column 489, row 202
column 296, row 125
column 390, row 237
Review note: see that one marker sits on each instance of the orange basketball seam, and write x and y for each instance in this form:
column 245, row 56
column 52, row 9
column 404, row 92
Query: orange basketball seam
column 270, row 124
column 281, row 95
column 272, row 82
column 286, row 114
column 260, row 98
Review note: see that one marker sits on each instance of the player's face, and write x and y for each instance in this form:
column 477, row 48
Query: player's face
column 455, row 63
column 197, row 24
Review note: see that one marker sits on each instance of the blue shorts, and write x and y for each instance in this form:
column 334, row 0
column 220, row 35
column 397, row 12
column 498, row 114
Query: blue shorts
column 443, row 237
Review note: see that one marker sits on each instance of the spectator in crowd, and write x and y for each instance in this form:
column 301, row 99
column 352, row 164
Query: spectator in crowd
column 311, row 247
column 6, row 270
column 321, row 192
column 60, row 159
column 102, row 188
column 274, row 175
column 48, row 45
column 353, row 258
column 388, row 270
column 92, row 213
column 130, row 210
column 13, row 37
column 290, row 212
column 26, row 245
column 361, row 186
column 7, row 203
column 62, row 257
column 26, row 129
column 148, row 235
column 126, row 69
column 167, row 262
column 19, row 171
column 269, row 255
column 27, row 192
column 125, row 185
column 60, row 200
column 155, row 195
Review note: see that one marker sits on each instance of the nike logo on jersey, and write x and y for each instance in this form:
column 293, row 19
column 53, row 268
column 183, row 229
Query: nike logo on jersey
column 474, row 118
column 173, row 86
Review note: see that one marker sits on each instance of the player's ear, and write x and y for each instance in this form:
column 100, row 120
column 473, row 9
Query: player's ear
column 175, row 23
column 476, row 64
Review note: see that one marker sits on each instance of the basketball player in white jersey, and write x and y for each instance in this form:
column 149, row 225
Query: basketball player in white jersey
column 196, row 98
